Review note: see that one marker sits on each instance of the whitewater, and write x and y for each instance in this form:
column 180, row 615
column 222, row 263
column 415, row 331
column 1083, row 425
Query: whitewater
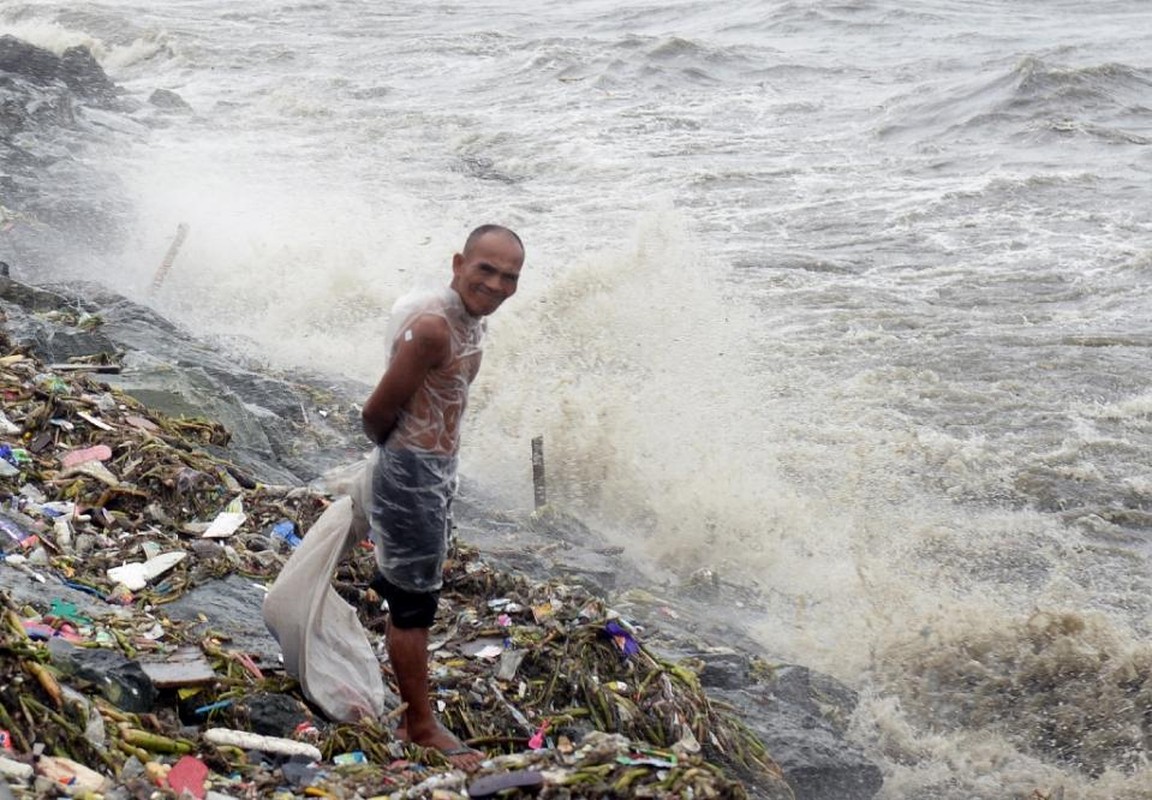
column 847, row 301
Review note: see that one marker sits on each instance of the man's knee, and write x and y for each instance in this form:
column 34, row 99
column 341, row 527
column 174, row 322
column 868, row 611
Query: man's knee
column 407, row 609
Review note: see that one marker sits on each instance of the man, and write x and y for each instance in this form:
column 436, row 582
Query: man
column 414, row 415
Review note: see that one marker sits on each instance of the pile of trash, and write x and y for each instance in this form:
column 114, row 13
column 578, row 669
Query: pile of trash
column 103, row 499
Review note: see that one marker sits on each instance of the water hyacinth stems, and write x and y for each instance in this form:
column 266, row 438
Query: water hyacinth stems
column 47, row 681
column 155, row 742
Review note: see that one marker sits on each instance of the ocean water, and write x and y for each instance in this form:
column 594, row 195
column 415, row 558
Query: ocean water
column 849, row 301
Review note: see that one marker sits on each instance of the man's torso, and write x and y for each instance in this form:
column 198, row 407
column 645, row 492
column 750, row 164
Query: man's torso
column 430, row 421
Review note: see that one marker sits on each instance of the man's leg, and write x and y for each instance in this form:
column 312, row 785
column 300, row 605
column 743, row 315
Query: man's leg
column 408, row 653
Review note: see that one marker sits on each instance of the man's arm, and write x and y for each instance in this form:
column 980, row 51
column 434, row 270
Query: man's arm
column 421, row 348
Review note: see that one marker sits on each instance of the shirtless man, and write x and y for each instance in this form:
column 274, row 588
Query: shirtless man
column 413, row 416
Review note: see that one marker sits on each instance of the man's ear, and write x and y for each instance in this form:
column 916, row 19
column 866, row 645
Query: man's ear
column 457, row 261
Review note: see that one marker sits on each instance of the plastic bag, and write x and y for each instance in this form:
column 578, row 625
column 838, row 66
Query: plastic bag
column 412, row 497
column 324, row 645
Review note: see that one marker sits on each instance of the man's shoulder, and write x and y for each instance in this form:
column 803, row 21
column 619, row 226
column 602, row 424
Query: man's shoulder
column 429, row 326
column 428, row 334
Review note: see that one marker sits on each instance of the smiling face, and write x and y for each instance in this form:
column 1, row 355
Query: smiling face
column 487, row 272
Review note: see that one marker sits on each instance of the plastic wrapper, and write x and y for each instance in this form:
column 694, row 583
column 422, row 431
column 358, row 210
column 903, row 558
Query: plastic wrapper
column 431, row 419
column 324, row 645
column 415, row 475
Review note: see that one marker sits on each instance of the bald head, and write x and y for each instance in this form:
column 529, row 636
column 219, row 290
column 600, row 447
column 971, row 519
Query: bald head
column 492, row 230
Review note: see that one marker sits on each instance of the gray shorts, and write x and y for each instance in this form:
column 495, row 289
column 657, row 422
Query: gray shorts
column 411, row 498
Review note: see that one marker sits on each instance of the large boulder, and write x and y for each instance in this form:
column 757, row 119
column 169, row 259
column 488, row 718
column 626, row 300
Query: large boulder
column 21, row 59
column 58, row 200
column 80, row 70
column 801, row 716
column 76, row 69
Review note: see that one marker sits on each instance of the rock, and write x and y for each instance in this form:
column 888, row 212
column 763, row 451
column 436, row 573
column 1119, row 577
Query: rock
column 269, row 419
column 800, row 716
column 299, row 773
column 274, row 714
column 597, row 579
column 231, row 605
column 119, row 679
column 725, row 670
column 168, row 100
column 31, row 299
column 79, row 70
column 76, row 68
column 56, row 115
column 24, row 60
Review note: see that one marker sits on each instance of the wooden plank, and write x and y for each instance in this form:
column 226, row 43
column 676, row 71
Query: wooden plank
column 103, row 369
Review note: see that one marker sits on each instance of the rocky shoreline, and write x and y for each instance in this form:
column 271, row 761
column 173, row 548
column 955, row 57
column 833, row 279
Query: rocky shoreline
column 796, row 718
column 193, row 431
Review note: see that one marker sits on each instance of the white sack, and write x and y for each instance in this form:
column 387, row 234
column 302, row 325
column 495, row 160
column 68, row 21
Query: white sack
column 325, row 647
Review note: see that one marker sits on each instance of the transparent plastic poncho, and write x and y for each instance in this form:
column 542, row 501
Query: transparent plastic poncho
column 415, row 473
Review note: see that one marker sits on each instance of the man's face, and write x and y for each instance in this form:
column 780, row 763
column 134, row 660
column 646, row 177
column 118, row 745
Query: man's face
column 486, row 275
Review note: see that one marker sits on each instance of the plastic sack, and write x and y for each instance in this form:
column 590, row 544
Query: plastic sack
column 324, row 645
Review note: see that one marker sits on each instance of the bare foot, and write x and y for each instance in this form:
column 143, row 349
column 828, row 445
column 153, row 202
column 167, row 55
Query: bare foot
column 440, row 738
